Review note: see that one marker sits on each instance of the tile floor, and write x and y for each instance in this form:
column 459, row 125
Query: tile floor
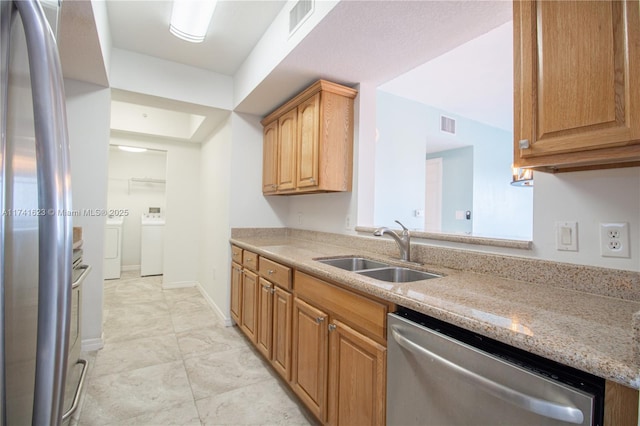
column 168, row 360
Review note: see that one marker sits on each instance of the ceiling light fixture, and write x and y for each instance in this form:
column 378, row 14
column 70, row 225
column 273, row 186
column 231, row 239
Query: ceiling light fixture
column 131, row 149
column 190, row 19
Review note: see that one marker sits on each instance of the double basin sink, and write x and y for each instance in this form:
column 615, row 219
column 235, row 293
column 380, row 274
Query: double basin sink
column 378, row 270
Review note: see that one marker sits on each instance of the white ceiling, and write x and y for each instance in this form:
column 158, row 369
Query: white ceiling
column 474, row 80
column 369, row 42
column 142, row 26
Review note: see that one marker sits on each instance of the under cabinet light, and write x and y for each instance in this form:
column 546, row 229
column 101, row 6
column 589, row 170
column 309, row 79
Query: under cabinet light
column 190, row 19
column 522, row 177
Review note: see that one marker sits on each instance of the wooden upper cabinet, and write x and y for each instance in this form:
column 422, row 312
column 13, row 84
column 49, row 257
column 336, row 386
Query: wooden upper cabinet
column 576, row 84
column 308, row 135
column 270, row 158
column 314, row 141
column 287, row 135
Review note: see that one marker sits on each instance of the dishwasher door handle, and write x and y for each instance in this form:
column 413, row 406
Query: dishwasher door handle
column 512, row 396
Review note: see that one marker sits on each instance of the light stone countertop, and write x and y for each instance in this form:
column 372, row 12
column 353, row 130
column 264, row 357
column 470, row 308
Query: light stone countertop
column 589, row 332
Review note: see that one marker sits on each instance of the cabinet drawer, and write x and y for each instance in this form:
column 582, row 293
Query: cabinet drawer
column 236, row 254
column 275, row 272
column 250, row 260
column 362, row 313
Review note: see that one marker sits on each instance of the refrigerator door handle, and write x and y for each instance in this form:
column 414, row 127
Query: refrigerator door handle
column 54, row 200
column 527, row 402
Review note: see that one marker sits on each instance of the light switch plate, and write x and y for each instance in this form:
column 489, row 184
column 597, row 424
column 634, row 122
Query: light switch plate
column 567, row 236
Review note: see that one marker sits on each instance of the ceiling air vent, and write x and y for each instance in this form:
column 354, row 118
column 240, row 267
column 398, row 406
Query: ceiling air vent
column 447, row 124
column 299, row 13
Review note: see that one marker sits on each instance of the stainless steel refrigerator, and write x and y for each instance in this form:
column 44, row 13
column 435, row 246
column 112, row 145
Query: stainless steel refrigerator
column 35, row 193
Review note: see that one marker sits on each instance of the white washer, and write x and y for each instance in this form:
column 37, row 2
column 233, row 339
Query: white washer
column 151, row 245
column 112, row 262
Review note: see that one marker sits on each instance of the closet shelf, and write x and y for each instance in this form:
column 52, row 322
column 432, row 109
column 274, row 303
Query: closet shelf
column 145, row 180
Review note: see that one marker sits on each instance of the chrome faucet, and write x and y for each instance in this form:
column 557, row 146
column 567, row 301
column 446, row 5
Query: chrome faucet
column 403, row 240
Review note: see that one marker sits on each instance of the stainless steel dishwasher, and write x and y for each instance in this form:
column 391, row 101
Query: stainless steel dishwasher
column 441, row 375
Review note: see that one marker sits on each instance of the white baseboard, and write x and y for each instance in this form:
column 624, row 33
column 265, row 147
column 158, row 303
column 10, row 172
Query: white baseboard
column 130, row 268
column 228, row 322
column 90, row 345
column 179, row 284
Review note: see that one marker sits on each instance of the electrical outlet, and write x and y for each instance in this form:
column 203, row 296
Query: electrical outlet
column 347, row 222
column 614, row 239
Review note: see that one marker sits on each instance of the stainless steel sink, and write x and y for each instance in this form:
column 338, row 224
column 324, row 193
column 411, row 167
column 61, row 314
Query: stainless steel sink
column 398, row 275
column 353, row 263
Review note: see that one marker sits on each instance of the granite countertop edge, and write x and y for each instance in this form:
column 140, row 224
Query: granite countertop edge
column 576, row 347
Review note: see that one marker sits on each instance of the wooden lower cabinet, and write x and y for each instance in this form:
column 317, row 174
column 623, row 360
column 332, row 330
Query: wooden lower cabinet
column 357, row 378
column 335, row 365
column 282, row 324
column 309, row 359
column 264, row 334
column 236, row 292
column 249, row 306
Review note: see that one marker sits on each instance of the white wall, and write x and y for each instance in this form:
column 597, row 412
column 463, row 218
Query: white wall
column 274, row 46
column 101, row 17
column 248, row 207
column 182, row 214
column 231, row 194
column 589, row 197
column 138, row 73
column 135, row 198
column 88, row 120
column 215, row 190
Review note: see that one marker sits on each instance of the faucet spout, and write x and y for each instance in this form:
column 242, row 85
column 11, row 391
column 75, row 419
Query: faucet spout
column 403, row 240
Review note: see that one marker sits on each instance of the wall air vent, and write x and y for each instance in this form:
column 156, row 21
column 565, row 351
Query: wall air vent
column 299, row 13
column 447, row 125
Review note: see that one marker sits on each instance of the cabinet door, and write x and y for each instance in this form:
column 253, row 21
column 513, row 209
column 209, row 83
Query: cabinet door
column 577, row 81
column 357, row 378
column 282, row 322
column 249, row 307
column 308, row 143
column 287, row 128
column 309, row 360
column 270, row 158
column 264, row 334
column 236, row 292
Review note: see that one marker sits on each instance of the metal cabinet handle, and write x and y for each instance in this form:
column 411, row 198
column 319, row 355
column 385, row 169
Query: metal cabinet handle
column 54, row 195
column 271, row 272
column 332, row 327
column 526, row 402
column 273, row 290
column 312, row 180
column 319, row 320
column 524, row 144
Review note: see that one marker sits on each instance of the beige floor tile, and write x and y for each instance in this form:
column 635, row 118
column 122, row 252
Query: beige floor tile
column 184, row 414
column 167, row 349
column 269, row 405
column 220, row 372
column 187, row 304
column 127, row 355
column 200, row 318
column 201, row 341
column 136, row 327
column 144, row 391
column 131, row 311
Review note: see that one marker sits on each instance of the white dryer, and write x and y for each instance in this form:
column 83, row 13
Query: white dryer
column 112, row 263
column 151, row 245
